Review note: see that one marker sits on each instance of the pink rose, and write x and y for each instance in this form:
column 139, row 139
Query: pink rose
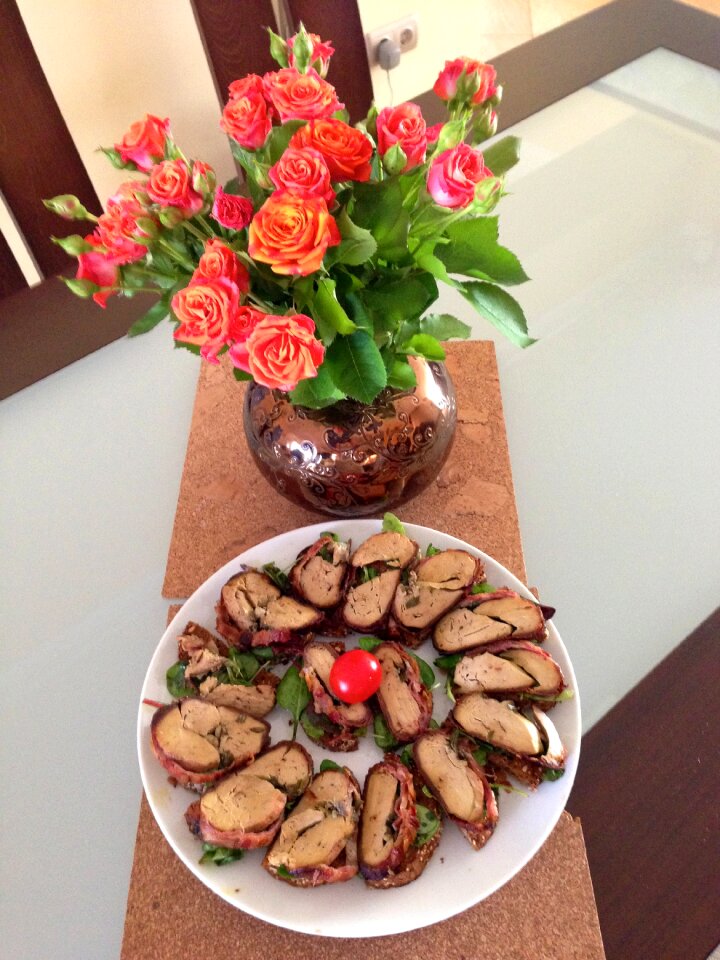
column 117, row 229
column 251, row 85
column 144, row 142
column 305, row 171
column 100, row 268
column 454, row 175
column 218, row 260
column 404, row 126
column 170, row 185
column 458, row 77
column 246, row 119
column 280, row 352
column 206, row 311
column 433, row 132
column 232, row 211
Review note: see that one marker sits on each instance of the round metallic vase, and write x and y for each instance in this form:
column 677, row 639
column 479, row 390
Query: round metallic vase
column 354, row 459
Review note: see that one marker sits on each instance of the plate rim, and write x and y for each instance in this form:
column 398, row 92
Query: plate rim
column 418, row 922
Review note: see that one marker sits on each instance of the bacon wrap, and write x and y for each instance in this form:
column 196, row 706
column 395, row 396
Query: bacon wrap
column 478, row 833
column 393, row 681
column 472, row 599
column 404, row 825
column 234, row 839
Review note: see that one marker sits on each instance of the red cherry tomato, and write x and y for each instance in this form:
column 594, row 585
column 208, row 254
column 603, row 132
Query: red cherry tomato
column 355, row 676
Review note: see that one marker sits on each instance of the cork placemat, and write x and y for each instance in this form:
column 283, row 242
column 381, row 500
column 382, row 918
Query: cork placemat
column 225, row 506
column 547, row 912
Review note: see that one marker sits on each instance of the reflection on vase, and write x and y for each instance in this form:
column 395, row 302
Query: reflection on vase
column 354, row 459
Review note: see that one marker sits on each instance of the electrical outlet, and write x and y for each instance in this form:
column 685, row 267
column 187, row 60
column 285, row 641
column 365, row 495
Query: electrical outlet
column 403, row 33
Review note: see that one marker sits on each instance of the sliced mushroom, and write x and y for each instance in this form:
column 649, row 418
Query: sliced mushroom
column 198, row 742
column 202, row 662
column 449, row 570
column 464, row 629
column 257, row 700
column 458, row 783
column 548, row 676
column 318, row 842
column 394, row 549
column 405, row 701
column 499, row 723
column 489, row 673
column 487, row 618
column 247, row 594
column 318, row 660
column 318, row 575
column 367, row 604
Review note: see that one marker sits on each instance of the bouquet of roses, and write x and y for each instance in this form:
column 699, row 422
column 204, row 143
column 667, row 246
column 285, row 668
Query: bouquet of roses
column 318, row 281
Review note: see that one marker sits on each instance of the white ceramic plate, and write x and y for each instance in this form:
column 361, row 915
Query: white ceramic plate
column 457, row 876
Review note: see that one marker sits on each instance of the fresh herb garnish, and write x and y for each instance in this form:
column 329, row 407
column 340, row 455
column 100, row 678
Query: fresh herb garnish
column 325, row 553
column 426, row 671
column 481, row 754
column 448, row 662
column 282, row 871
column 264, row 653
column 240, row 668
column 367, row 574
column 553, row 774
column 448, row 687
column 329, row 765
column 429, row 825
column 391, row 524
column 293, row 695
column 507, row 788
column 434, row 725
column 481, row 588
column 219, row 855
column 178, row 687
column 312, row 729
column 383, row 738
column 333, row 536
column 277, row 576
column 406, row 755
column 369, row 643
column 431, row 551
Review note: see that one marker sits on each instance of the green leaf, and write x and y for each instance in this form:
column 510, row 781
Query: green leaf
column 500, row 309
column 383, row 738
column 240, row 668
column 503, row 155
column 278, row 48
column 73, row 245
column 219, row 855
column 178, row 687
column 83, row 288
column 369, row 643
column 406, row 755
column 302, row 50
column 429, row 825
column 264, row 653
column 553, row 774
column 279, row 138
column 357, row 246
column 474, row 251
column 401, row 375
column 329, row 765
column 367, row 574
column 293, row 695
column 423, row 345
column 317, row 392
column 195, row 350
column 391, row 524
column 443, row 326
column 481, row 754
column 240, row 375
column 157, row 313
column 426, row 671
column 481, row 588
column 394, row 160
column 379, row 209
column 327, row 311
column 393, row 301
column 282, row 871
column 425, row 258
column 356, row 366
column 431, row 551
column 566, row 694
column 313, row 730
column 116, row 160
column 449, row 661
column 278, row 577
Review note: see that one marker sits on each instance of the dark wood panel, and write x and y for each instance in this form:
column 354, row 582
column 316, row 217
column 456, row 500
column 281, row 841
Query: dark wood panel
column 44, row 328
column 647, row 794
column 37, row 155
column 339, row 21
column 11, row 276
column 234, row 39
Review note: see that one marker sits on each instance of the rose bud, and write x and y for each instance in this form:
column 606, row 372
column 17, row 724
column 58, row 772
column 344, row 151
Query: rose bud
column 68, row 207
column 203, row 177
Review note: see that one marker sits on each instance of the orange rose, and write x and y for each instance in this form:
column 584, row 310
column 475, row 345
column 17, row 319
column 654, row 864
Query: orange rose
column 246, row 120
column 170, row 185
column 144, row 142
column 206, row 311
column 303, row 171
column 292, row 232
column 281, row 351
column 347, row 151
column 252, row 84
column 218, row 260
column 300, row 96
